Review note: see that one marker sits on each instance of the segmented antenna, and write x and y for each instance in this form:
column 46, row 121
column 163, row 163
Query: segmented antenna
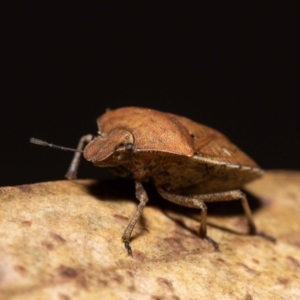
column 43, row 143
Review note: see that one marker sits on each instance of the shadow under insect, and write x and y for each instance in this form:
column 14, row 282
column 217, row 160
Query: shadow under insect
column 118, row 189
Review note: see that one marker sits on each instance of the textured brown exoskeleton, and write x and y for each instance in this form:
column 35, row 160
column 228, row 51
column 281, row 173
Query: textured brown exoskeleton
column 189, row 163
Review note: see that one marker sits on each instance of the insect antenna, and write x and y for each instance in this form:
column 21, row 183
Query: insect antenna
column 43, row 143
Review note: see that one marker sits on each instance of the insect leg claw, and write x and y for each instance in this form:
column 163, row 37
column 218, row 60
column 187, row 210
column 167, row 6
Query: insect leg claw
column 128, row 248
column 266, row 236
column 212, row 242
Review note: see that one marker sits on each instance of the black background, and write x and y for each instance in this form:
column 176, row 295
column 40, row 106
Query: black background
column 234, row 68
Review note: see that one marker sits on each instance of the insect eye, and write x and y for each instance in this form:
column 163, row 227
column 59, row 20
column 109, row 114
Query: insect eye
column 128, row 147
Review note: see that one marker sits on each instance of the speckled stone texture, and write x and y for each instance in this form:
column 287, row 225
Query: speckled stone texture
column 62, row 240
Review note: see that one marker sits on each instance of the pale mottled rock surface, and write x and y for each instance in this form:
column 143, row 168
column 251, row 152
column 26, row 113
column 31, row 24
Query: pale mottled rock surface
column 62, row 240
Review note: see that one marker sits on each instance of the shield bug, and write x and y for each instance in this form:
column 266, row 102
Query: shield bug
column 188, row 163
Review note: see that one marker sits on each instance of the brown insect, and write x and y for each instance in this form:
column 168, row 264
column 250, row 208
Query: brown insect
column 189, row 163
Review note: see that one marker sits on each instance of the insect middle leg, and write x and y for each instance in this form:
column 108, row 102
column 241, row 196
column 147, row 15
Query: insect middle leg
column 197, row 201
column 193, row 202
column 237, row 195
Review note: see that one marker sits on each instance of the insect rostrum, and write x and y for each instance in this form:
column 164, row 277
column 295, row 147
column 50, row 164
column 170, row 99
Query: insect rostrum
column 188, row 163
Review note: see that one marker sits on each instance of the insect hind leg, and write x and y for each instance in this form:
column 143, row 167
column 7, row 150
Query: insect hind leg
column 239, row 195
column 197, row 201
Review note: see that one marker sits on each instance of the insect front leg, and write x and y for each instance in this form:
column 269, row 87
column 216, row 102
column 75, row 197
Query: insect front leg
column 193, row 202
column 141, row 195
column 72, row 171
